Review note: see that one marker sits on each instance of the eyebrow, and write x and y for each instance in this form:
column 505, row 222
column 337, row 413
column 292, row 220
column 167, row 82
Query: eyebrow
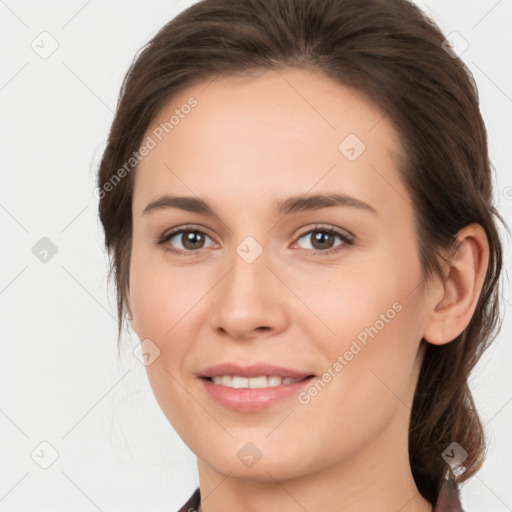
column 290, row 205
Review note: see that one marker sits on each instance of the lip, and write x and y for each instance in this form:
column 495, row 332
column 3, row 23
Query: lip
column 254, row 370
column 252, row 399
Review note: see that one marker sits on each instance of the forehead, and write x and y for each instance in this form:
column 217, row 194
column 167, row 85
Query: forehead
column 291, row 130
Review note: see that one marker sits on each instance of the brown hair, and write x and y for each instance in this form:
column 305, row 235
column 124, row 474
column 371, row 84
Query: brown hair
column 392, row 53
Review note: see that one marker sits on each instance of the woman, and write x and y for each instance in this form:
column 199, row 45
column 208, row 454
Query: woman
column 247, row 135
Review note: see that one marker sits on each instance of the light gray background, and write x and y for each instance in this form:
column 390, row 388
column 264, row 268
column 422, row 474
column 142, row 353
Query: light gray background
column 60, row 381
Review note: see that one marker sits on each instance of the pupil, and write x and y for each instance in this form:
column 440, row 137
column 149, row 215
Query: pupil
column 321, row 237
column 192, row 237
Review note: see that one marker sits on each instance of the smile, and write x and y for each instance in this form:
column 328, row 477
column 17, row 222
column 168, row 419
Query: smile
column 238, row 382
column 252, row 394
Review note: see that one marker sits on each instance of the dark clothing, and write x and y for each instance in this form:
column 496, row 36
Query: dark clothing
column 448, row 499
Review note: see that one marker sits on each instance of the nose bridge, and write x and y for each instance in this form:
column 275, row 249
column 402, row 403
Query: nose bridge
column 247, row 297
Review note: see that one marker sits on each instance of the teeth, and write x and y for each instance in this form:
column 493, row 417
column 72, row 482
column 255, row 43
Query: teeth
column 252, row 382
column 274, row 381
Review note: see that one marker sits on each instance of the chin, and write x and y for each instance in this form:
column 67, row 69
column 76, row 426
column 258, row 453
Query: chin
column 244, row 461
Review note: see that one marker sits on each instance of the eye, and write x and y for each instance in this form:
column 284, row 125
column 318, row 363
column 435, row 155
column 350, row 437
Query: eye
column 323, row 240
column 185, row 241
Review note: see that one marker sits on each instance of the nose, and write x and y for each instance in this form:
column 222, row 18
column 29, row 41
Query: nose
column 249, row 301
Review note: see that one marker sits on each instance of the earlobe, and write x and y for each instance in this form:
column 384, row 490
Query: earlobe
column 464, row 278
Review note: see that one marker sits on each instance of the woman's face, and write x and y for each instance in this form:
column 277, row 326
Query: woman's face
column 300, row 253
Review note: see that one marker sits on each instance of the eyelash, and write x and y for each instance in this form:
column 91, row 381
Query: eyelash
column 348, row 240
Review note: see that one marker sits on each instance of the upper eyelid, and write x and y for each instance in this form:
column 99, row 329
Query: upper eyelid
column 346, row 236
column 320, row 227
column 186, row 227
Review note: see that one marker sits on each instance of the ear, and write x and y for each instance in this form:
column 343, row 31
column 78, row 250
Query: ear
column 454, row 303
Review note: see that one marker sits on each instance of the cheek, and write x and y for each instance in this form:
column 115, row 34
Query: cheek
column 379, row 359
column 374, row 315
column 365, row 385
column 162, row 298
column 346, row 301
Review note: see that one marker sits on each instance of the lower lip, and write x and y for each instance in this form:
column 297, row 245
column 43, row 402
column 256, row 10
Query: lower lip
column 252, row 399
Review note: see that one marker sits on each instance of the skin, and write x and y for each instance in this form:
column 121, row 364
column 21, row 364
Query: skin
column 248, row 143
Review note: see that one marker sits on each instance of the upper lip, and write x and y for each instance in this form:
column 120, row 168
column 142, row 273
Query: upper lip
column 254, row 370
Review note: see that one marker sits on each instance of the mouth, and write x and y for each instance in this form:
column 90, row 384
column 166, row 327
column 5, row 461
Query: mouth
column 261, row 382
column 252, row 388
